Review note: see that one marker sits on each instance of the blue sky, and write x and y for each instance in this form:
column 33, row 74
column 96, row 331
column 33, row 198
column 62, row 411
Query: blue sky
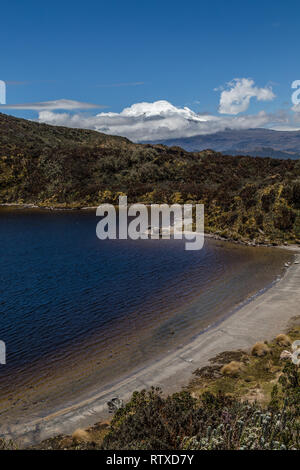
column 119, row 53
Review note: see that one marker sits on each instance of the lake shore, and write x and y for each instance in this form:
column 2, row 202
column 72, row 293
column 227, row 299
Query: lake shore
column 261, row 319
column 74, row 208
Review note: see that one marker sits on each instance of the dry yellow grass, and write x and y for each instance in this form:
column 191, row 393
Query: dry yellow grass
column 80, row 436
column 232, row 369
column 260, row 350
column 283, row 340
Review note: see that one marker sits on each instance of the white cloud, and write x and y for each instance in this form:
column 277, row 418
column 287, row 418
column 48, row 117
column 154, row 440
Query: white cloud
column 159, row 120
column 51, row 105
column 237, row 98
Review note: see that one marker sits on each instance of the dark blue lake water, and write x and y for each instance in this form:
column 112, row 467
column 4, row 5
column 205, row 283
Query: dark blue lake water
column 75, row 311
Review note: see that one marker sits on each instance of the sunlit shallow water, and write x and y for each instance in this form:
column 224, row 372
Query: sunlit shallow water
column 78, row 313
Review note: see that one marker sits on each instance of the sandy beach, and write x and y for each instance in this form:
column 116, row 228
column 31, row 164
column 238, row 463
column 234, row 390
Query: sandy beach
column 261, row 319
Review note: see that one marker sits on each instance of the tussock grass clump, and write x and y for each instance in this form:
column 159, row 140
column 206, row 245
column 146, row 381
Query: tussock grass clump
column 286, row 355
column 283, row 340
column 232, row 369
column 80, row 436
column 260, row 350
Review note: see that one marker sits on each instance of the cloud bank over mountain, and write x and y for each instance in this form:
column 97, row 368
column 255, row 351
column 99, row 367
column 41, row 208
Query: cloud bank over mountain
column 159, row 120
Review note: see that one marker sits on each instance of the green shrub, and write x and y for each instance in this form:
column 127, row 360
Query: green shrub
column 216, row 422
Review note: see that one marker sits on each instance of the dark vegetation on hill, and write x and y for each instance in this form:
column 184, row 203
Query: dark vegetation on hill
column 245, row 198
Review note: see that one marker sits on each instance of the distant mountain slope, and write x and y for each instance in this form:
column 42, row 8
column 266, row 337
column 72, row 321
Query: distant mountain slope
column 245, row 198
column 21, row 134
column 253, row 142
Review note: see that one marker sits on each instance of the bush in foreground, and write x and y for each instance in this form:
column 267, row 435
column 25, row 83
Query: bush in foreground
column 216, row 422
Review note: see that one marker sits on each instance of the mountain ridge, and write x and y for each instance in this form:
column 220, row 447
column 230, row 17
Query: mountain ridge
column 257, row 142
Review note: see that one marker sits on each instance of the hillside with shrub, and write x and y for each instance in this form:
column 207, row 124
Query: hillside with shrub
column 242, row 400
column 254, row 200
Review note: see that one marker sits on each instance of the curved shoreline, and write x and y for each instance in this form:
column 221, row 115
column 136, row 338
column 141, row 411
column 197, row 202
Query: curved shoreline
column 260, row 319
column 215, row 236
